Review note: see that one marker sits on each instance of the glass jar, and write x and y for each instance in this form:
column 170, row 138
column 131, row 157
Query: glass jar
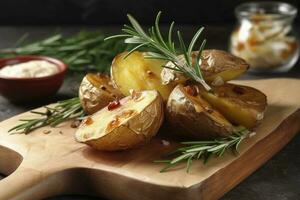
column 264, row 36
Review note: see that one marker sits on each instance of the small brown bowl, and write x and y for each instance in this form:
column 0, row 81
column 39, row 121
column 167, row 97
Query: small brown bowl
column 31, row 89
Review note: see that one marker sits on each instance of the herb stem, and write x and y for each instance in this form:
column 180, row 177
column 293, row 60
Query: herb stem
column 62, row 111
column 196, row 150
column 164, row 50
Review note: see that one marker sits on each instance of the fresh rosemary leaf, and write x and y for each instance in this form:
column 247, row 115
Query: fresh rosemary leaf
column 195, row 150
column 165, row 50
column 62, row 111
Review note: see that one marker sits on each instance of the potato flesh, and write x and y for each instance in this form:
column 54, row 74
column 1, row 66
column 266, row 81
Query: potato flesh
column 136, row 72
column 241, row 105
column 102, row 119
column 225, row 76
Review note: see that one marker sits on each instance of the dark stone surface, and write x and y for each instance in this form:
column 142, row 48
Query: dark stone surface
column 278, row 179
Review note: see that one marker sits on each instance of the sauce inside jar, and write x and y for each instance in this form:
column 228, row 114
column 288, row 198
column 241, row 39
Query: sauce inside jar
column 264, row 36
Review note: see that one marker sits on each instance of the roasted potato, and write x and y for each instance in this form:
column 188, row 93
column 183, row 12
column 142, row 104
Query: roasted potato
column 241, row 105
column 138, row 73
column 217, row 67
column 123, row 124
column 96, row 91
column 192, row 116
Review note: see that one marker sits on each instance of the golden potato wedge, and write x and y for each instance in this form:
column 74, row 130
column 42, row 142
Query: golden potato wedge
column 96, row 91
column 241, row 105
column 123, row 124
column 138, row 73
column 217, row 67
column 190, row 115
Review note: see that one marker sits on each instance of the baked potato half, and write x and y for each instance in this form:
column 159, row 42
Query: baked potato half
column 96, row 91
column 191, row 115
column 217, row 67
column 138, row 73
column 241, row 105
column 123, row 124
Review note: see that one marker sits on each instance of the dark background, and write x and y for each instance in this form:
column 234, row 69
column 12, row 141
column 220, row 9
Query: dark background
column 278, row 179
column 102, row 12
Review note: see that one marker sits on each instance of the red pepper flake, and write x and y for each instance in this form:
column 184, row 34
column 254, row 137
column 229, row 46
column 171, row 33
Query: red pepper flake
column 285, row 54
column 113, row 124
column 88, row 121
column 191, row 90
column 46, row 131
column 135, row 95
column 240, row 46
column 102, row 87
column 238, row 90
column 75, row 124
column 252, row 41
column 113, row 105
column 126, row 114
column 209, row 110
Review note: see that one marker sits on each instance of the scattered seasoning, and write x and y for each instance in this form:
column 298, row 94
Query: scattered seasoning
column 165, row 142
column 126, row 114
column 208, row 110
column 251, row 134
column 88, row 121
column 60, row 132
column 113, row 124
column 75, row 123
column 102, row 87
column 218, row 81
column 238, row 90
column 240, row 46
column 117, row 119
column 191, row 90
column 150, row 74
column 113, row 105
column 46, row 131
column 136, row 96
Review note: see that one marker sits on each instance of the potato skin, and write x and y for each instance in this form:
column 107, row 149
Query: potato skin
column 241, row 105
column 138, row 73
column 192, row 116
column 96, row 91
column 136, row 131
column 217, row 67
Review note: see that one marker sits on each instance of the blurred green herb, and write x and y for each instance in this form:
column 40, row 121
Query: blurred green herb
column 84, row 51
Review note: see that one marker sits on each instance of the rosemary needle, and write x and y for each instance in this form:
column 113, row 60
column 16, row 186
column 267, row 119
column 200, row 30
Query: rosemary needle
column 196, row 150
column 62, row 111
column 165, row 49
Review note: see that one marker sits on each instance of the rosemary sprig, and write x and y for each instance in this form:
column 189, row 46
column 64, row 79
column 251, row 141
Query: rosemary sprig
column 165, row 49
column 64, row 110
column 84, row 51
column 196, row 150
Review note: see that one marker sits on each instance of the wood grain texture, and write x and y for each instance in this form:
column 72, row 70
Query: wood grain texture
column 52, row 164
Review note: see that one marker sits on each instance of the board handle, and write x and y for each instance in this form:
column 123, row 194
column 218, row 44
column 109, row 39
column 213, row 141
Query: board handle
column 17, row 185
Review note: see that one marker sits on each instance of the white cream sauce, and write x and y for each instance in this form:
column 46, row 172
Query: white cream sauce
column 30, row 69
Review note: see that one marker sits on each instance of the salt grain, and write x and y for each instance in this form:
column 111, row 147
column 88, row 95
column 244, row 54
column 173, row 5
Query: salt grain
column 165, row 142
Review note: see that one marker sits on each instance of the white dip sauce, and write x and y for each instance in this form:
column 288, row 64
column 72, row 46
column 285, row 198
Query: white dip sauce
column 31, row 69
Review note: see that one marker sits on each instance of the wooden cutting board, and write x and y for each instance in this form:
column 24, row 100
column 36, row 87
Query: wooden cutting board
column 43, row 165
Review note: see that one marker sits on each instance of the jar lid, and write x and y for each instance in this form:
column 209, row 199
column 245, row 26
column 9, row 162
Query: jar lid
column 278, row 10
